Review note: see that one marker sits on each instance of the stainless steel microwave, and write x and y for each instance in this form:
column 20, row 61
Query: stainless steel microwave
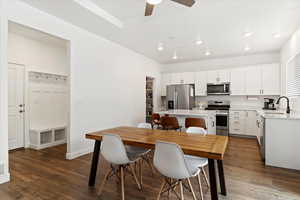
column 218, row 89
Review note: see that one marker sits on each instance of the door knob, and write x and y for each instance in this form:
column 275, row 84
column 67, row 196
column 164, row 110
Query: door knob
column 21, row 111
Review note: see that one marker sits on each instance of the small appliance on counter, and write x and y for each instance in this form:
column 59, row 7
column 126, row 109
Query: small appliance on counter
column 269, row 104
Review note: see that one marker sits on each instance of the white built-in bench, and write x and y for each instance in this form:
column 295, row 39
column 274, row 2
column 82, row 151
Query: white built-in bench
column 44, row 137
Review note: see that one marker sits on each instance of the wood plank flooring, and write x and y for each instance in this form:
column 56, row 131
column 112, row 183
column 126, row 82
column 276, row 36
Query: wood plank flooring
column 45, row 174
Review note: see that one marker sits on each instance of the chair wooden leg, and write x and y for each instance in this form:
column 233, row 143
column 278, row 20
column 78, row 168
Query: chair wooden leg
column 161, row 189
column 103, row 182
column 205, row 176
column 181, row 190
column 122, row 183
column 141, row 171
column 134, row 176
column 192, row 190
column 200, row 186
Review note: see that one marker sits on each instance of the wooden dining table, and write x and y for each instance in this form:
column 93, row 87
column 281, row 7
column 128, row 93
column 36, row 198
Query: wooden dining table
column 208, row 146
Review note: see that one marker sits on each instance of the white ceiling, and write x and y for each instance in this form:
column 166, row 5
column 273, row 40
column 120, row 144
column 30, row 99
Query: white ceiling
column 219, row 23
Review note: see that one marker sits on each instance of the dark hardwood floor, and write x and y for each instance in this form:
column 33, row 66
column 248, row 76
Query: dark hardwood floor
column 46, row 174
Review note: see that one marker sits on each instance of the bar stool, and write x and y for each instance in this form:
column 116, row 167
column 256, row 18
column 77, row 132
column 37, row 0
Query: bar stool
column 113, row 151
column 195, row 122
column 170, row 123
column 155, row 120
column 170, row 161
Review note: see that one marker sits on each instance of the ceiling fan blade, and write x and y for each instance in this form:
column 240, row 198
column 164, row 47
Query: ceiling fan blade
column 149, row 9
column 188, row 3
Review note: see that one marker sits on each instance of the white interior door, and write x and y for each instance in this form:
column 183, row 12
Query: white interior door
column 15, row 106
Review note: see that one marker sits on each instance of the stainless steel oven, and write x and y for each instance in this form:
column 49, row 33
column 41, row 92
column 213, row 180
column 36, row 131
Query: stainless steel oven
column 222, row 122
column 218, row 89
column 222, row 115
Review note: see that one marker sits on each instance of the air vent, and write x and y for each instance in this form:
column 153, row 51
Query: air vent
column 1, row 168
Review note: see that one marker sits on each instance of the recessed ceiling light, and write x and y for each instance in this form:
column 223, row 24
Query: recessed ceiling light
column 207, row 53
column 199, row 42
column 160, row 47
column 154, row 2
column 276, row 35
column 247, row 48
column 248, row 34
column 175, row 56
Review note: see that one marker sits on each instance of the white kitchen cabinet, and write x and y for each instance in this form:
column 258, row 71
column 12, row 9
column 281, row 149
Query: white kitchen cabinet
column 237, row 122
column 250, row 123
column 224, row 76
column 263, row 80
column 219, row 76
column 253, row 80
column 243, row 123
column 166, row 79
column 270, row 79
column 176, row 78
column 212, row 77
column 187, row 78
column 211, row 125
column 200, row 83
column 238, row 83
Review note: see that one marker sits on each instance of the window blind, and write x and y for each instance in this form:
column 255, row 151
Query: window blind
column 293, row 77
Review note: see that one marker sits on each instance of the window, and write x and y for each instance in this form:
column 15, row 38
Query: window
column 293, row 76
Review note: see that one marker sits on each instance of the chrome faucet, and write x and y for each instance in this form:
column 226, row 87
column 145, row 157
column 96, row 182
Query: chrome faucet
column 288, row 109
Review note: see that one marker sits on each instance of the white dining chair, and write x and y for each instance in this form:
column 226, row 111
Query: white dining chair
column 144, row 125
column 204, row 161
column 114, row 152
column 145, row 154
column 170, row 161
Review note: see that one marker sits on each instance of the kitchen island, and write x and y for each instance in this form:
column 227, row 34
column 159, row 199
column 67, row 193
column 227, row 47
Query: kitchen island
column 181, row 115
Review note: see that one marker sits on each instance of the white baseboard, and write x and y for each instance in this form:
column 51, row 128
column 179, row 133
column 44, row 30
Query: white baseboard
column 4, row 178
column 76, row 154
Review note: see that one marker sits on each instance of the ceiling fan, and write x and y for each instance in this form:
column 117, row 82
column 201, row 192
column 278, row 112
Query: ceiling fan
column 151, row 3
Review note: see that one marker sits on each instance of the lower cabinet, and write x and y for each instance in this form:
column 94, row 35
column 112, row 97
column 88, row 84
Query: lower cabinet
column 243, row 123
column 211, row 123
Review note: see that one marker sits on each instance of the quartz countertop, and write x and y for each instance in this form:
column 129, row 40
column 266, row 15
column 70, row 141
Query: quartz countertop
column 185, row 112
column 278, row 114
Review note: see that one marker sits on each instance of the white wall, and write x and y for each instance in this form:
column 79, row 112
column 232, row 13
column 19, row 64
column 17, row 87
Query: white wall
column 3, row 93
column 37, row 55
column 289, row 50
column 107, row 80
column 221, row 63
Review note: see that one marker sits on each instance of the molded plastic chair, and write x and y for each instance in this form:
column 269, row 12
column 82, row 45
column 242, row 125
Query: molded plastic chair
column 175, row 167
column 202, row 161
column 113, row 151
column 145, row 125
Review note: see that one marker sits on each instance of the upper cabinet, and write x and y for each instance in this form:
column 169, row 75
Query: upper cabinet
column 238, row 83
column 271, row 79
column 263, row 80
column 200, row 83
column 253, row 80
column 166, row 79
column 219, row 76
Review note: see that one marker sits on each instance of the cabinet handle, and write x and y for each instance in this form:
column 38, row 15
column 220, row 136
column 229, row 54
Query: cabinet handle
column 262, row 91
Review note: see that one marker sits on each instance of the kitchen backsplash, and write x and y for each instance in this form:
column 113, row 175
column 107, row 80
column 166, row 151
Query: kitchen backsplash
column 250, row 101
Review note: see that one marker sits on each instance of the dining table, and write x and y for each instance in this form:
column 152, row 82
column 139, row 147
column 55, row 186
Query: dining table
column 212, row 147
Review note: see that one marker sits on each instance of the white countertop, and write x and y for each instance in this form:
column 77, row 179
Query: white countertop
column 185, row 112
column 278, row 114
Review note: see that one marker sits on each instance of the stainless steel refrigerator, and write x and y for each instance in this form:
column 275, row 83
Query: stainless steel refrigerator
column 180, row 96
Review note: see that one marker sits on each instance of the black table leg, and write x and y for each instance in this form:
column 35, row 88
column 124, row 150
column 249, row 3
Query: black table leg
column 222, row 177
column 93, row 172
column 212, row 179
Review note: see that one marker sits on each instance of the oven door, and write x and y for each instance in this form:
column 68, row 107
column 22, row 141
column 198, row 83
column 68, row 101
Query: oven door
column 222, row 124
column 218, row 89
